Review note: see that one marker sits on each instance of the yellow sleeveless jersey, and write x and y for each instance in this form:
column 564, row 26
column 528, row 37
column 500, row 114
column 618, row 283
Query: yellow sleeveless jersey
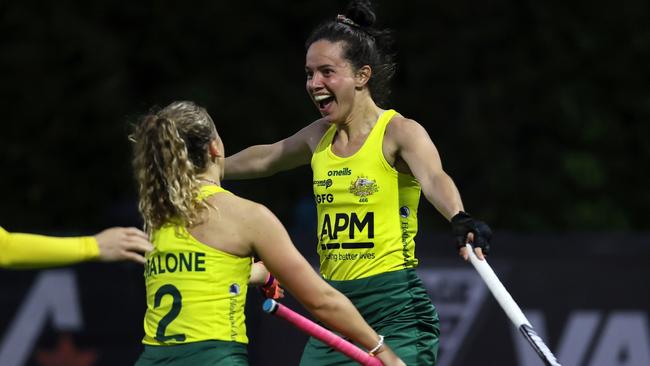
column 367, row 211
column 194, row 292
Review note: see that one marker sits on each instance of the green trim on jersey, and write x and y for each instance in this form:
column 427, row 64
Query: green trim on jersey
column 367, row 210
column 194, row 292
column 207, row 353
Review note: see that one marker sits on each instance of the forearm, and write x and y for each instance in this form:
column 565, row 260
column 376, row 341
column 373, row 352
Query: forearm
column 340, row 315
column 283, row 260
column 265, row 160
column 321, row 299
column 252, row 162
column 21, row 251
column 442, row 193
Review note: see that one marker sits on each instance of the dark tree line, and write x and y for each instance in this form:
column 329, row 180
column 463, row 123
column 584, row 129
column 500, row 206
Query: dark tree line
column 539, row 110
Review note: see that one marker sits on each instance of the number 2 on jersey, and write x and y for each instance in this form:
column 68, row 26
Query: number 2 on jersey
column 177, row 304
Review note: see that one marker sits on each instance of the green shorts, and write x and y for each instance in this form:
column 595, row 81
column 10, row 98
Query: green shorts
column 207, row 353
column 397, row 306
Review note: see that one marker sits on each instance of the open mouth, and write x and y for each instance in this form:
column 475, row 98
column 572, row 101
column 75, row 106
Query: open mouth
column 323, row 101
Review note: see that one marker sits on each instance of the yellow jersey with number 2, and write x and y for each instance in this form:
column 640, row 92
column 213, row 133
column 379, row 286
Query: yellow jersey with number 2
column 194, row 292
column 367, row 210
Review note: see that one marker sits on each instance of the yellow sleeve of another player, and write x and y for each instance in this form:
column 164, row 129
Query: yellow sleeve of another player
column 38, row 251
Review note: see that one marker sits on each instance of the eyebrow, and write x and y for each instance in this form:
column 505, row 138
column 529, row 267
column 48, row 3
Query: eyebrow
column 307, row 68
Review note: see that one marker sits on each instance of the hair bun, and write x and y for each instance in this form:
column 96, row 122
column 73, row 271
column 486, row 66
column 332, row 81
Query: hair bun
column 361, row 12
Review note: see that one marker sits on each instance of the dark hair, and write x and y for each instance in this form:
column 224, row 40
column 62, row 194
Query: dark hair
column 363, row 45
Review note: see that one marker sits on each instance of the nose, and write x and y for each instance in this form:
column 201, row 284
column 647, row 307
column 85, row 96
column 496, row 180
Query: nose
column 315, row 82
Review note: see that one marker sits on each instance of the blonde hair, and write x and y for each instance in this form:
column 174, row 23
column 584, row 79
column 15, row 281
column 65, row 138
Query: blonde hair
column 170, row 150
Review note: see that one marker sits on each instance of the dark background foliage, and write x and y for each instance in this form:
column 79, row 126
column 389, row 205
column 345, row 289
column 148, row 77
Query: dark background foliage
column 539, row 109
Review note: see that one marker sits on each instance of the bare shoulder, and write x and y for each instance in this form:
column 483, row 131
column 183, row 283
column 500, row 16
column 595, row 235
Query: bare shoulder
column 239, row 209
column 401, row 124
column 233, row 224
column 320, row 124
column 313, row 133
column 403, row 130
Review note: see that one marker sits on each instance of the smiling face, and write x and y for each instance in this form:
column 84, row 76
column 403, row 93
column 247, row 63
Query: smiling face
column 331, row 80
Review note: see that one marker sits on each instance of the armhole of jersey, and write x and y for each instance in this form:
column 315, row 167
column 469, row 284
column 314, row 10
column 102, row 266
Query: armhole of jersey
column 380, row 145
column 323, row 143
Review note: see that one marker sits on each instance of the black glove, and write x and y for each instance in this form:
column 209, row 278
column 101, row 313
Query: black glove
column 462, row 224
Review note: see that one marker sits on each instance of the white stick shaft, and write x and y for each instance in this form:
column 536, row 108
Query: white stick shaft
column 498, row 290
column 511, row 308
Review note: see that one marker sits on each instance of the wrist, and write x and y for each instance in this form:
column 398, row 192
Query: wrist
column 91, row 247
column 459, row 215
column 269, row 280
column 378, row 348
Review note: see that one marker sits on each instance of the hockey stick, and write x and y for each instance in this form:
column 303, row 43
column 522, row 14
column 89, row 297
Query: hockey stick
column 273, row 307
column 511, row 308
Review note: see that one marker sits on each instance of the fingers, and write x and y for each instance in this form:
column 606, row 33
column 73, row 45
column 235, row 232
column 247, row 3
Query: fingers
column 134, row 257
column 136, row 242
column 119, row 243
column 139, row 244
column 463, row 250
column 136, row 232
column 463, row 253
column 479, row 253
column 135, row 239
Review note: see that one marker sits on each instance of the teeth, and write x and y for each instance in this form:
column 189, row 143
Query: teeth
column 320, row 98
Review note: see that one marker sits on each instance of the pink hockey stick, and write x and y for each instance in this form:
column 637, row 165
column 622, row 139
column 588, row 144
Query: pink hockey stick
column 273, row 307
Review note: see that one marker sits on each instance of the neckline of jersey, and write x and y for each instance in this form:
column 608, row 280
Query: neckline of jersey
column 343, row 158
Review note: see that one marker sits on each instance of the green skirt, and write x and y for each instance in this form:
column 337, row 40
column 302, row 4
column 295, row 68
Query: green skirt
column 397, row 306
column 206, row 353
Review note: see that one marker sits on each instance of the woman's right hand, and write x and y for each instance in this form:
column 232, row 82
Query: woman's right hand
column 388, row 357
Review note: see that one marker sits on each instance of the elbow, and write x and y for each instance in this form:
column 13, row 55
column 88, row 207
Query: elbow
column 322, row 304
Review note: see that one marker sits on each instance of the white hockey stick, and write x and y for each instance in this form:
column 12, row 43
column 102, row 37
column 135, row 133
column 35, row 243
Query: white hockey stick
column 511, row 308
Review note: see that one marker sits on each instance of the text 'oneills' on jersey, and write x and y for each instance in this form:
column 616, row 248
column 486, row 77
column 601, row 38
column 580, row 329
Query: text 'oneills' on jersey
column 339, row 172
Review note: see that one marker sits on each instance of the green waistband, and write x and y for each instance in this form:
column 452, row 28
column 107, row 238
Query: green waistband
column 389, row 298
column 178, row 350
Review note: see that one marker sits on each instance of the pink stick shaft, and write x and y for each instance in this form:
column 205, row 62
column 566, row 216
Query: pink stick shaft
column 326, row 336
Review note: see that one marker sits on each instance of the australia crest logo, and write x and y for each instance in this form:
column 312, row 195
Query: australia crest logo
column 363, row 187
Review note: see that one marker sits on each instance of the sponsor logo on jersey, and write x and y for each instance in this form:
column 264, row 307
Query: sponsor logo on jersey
column 234, row 289
column 323, row 183
column 349, row 225
column 363, row 187
column 404, row 211
column 340, row 172
column 324, row 198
